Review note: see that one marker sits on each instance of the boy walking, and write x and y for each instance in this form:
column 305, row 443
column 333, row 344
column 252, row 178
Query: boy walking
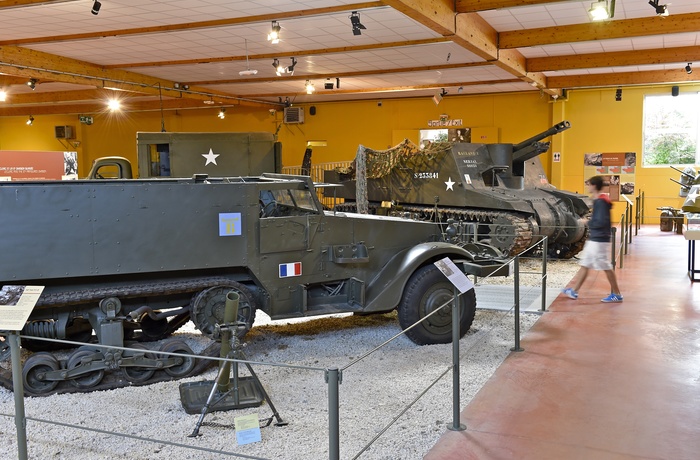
column 596, row 250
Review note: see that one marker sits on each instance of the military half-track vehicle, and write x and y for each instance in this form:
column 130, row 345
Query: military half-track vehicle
column 501, row 188
column 124, row 261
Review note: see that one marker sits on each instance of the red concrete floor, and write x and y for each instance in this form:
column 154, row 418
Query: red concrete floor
column 599, row 381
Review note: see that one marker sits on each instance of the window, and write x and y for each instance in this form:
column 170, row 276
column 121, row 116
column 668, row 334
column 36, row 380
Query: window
column 671, row 130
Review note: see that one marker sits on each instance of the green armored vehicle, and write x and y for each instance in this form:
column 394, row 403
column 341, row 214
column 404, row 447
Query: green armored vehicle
column 136, row 259
column 500, row 188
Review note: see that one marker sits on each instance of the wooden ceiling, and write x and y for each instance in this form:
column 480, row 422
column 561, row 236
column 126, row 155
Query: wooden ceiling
column 189, row 53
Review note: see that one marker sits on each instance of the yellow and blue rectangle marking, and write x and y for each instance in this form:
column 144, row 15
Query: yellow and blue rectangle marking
column 229, row 224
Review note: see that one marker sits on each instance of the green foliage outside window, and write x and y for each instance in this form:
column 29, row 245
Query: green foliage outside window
column 670, row 130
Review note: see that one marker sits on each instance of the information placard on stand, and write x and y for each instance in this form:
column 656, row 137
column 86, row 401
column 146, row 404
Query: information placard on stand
column 16, row 304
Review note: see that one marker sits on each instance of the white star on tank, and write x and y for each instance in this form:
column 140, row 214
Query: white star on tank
column 211, row 157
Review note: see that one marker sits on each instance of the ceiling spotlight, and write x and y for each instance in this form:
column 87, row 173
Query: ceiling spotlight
column 279, row 69
column 618, row 94
column 113, row 105
column 688, row 69
column 290, row 69
column 96, row 7
column 274, row 35
column 3, row 96
column 337, row 83
column 222, row 113
column 309, row 87
column 30, row 120
column 661, row 10
column 328, row 84
column 32, row 83
column 357, row 26
column 602, row 10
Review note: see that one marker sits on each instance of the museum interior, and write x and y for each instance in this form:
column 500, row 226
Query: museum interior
column 326, row 79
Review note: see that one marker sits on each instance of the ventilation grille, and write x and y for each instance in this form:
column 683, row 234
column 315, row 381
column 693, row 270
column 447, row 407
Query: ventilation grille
column 294, row 115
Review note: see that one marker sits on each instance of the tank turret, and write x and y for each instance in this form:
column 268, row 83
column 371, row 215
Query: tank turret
column 501, row 188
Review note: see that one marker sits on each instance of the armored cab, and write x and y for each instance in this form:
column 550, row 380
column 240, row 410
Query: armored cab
column 501, row 188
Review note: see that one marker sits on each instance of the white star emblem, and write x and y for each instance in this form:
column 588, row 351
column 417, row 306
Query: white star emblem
column 449, row 184
column 211, row 157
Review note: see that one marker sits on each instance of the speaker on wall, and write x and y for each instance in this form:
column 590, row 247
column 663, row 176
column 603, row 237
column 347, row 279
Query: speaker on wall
column 675, row 91
column 312, row 110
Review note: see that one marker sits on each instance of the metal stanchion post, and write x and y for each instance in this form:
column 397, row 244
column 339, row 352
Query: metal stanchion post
column 622, row 242
column 18, row 387
column 544, row 273
column 456, row 426
column 516, row 279
column 333, row 380
column 612, row 241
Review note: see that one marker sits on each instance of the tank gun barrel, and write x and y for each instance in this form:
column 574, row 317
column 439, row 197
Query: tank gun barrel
column 689, row 176
column 683, row 186
column 559, row 127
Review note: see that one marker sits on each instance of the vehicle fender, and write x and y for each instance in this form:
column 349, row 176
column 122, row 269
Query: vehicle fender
column 385, row 290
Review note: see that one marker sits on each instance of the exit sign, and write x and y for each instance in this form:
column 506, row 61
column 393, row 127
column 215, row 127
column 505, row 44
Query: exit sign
column 85, row 120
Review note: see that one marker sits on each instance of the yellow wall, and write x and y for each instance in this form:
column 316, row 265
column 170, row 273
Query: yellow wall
column 599, row 124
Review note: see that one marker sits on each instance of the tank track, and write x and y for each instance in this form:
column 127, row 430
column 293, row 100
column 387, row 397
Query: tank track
column 116, row 378
column 82, row 296
column 510, row 232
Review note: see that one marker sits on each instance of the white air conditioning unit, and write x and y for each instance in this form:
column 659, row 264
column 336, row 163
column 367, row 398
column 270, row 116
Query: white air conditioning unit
column 64, row 132
column 294, row 115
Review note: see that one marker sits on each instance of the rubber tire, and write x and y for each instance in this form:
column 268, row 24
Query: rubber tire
column 426, row 290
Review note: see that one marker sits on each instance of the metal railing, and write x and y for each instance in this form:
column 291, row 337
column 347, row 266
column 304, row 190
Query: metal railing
column 333, row 376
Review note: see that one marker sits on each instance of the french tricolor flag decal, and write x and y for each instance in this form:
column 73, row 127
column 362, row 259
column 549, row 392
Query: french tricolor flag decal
column 293, row 269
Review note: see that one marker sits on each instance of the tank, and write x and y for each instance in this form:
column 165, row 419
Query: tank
column 500, row 188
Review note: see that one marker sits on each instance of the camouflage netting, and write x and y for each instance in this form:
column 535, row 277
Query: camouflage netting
column 374, row 164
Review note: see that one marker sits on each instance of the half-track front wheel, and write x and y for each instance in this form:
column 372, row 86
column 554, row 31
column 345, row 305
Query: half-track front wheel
column 207, row 307
column 426, row 291
column 36, row 368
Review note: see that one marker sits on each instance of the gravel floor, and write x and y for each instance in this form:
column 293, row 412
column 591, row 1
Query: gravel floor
column 374, row 391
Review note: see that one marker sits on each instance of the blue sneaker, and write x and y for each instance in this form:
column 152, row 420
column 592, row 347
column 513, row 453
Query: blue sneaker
column 570, row 293
column 612, row 298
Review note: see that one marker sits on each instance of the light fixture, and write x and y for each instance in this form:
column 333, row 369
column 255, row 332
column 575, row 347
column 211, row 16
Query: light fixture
column 357, row 26
column 328, row 84
column 437, row 98
column 661, row 10
column 248, row 71
column 274, row 35
column 222, row 113
column 30, row 120
column 3, row 96
column 290, row 69
column 279, row 70
column 618, row 95
column 688, row 69
column 32, row 83
column 113, row 105
column 309, row 87
column 602, row 10
column 96, row 7
column 337, row 83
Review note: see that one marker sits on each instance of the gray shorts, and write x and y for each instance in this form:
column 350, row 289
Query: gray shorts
column 596, row 255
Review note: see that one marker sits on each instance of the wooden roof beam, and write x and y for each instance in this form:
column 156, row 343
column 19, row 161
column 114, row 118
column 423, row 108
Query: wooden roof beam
column 342, row 49
column 624, row 28
column 473, row 6
column 196, row 25
column 29, row 63
column 623, row 79
column 614, row 59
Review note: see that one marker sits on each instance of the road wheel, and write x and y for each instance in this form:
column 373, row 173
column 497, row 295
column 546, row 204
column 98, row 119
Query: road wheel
column 34, row 370
column 426, row 291
column 90, row 379
column 136, row 374
column 186, row 363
